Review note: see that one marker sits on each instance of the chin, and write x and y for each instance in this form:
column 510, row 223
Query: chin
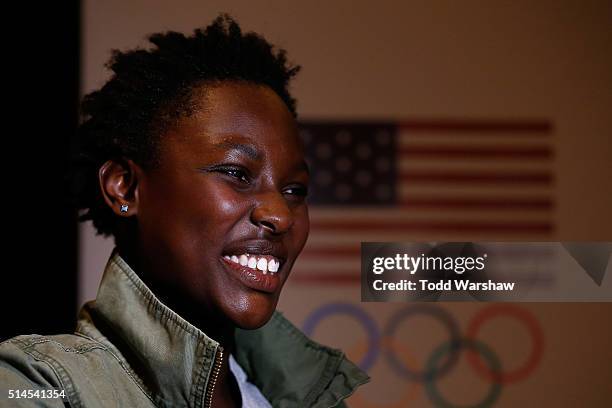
column 255, row 315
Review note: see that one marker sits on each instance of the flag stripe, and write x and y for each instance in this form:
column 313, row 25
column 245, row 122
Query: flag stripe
column 393, row 214
column 341, row 238
column 354, row 251
column 490, row 127
column 476, row 177
column 326, row 278
column 358, row 225
column 404, row 138
column 451, row 151
column 483, row 165
column 478, row 203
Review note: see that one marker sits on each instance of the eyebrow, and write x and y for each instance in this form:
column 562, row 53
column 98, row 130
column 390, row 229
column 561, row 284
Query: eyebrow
column 251, row 152
column 248, row 150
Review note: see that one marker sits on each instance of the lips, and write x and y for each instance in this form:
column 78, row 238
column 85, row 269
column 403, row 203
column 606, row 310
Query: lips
column 256, row 263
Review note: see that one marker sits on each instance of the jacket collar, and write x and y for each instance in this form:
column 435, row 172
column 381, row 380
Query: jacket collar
column 170, row 359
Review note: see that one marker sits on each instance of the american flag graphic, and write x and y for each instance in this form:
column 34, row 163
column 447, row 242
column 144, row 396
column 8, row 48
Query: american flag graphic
column 444, row 180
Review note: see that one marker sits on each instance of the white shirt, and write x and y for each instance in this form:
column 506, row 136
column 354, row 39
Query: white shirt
column 251, row 396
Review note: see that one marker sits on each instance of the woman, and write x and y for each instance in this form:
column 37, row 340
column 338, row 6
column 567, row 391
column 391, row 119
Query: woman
column 189, row 156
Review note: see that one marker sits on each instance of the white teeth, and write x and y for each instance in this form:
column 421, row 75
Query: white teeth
column 244, row 260
column 262, row 265
column 252, row 263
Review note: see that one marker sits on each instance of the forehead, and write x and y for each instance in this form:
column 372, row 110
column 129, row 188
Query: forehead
column 236, row 112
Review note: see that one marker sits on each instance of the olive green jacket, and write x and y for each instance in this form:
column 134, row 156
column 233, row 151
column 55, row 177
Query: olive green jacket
column 130, row 350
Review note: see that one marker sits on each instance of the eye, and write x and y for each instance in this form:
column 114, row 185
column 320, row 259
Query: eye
column 300, row 191
column 236, row 173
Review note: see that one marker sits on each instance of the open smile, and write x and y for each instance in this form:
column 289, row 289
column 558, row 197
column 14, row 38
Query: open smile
column 258, row 272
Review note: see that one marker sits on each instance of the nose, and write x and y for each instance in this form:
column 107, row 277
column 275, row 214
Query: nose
column 272, row 214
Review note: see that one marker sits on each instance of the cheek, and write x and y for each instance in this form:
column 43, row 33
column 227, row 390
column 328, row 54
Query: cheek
column 214, row 214
column 191, row 212
column 227, row 205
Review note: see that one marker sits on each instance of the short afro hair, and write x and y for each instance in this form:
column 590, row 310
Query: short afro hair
column 150, row 87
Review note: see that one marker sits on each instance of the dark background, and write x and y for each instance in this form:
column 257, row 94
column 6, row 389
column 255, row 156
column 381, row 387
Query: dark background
column 41, row 60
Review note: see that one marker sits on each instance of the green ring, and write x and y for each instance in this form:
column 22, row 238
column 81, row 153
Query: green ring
column 494, row 364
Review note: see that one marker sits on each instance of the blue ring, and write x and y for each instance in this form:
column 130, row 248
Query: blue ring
column 437, row 313
column 485, row 351
column 368, row 323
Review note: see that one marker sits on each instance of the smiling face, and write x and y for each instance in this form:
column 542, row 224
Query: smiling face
column 230, row 187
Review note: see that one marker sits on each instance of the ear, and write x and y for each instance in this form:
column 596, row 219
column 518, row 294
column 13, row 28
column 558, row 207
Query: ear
column 119, row 181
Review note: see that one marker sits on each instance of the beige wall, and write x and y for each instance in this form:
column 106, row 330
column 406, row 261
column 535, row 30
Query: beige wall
column 434, row 59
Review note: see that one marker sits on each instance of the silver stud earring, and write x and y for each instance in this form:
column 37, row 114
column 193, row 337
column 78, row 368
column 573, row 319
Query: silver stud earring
column 124, row 208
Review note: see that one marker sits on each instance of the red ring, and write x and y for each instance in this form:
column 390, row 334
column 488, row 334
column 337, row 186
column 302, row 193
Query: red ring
column 534, row 329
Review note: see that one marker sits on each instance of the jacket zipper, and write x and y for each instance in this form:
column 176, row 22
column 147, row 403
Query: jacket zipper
column 210, row 388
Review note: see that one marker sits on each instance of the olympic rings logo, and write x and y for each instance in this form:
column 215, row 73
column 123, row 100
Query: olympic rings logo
column 484, row 360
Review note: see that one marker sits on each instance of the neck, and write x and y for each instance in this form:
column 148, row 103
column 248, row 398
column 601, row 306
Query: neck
column 212, row 324
column 226, row 391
